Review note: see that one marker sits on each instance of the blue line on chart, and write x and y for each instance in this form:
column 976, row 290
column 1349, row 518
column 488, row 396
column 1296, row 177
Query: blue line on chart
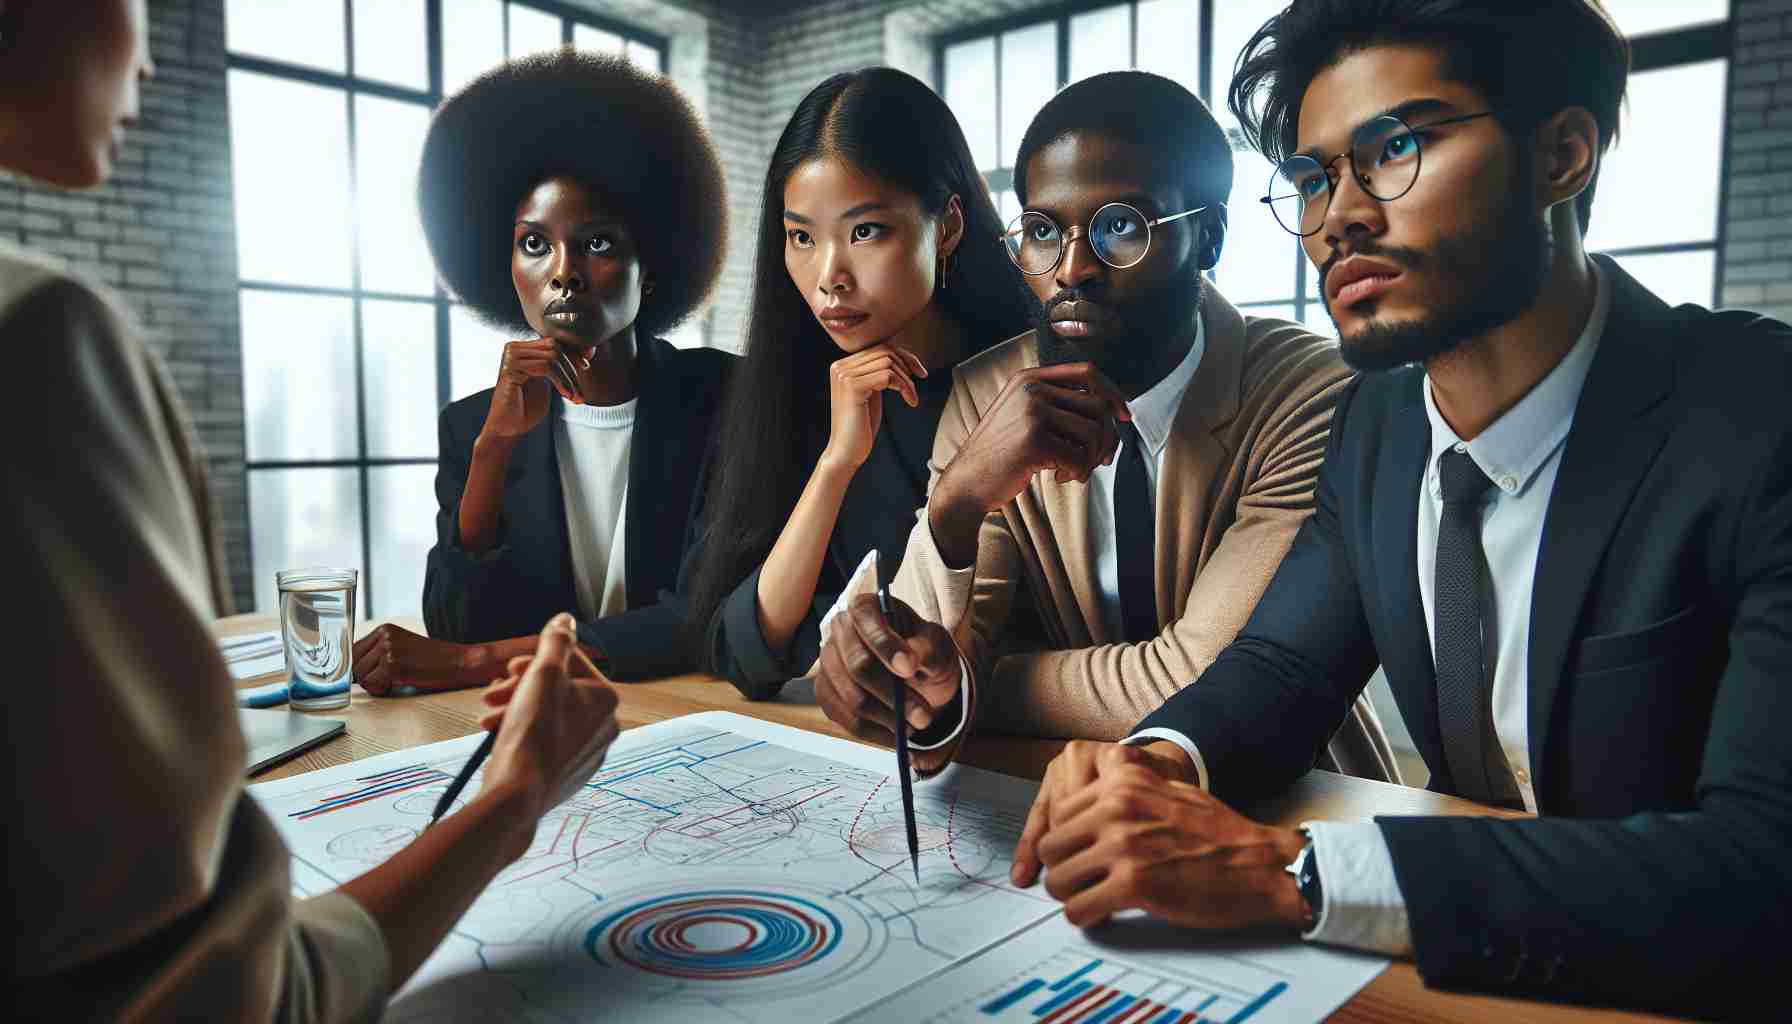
column 640, row 772
column 1123, row 1003
column 1058, row 986
column 1257, row 1004
column 1063, row 997
column 635, row 799
column 1003, row 1002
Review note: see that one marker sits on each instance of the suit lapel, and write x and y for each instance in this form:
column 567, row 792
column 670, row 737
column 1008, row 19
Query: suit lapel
column 1194, row 453
column 1394, row 511
column 1610, row 447
column 535, row 507
column 651, row 532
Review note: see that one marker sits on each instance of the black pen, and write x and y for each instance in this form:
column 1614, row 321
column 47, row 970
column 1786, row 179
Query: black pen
column 483, row 751
column 466, row 774
column 902, row 769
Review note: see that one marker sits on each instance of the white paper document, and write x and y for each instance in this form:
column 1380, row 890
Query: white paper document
column 253, row 654
column 716, row 868
column 1136, row 971
column 723, row 868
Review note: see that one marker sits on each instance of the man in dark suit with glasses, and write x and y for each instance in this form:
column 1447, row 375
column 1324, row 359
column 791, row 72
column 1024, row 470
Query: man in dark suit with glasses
column 1557, row 511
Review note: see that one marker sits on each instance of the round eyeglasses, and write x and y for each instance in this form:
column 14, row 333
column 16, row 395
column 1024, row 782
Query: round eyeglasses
column 1119, row 234
column 1385, row 155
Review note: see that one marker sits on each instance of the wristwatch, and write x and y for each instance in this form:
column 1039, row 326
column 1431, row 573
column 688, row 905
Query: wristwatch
column 1305, row 870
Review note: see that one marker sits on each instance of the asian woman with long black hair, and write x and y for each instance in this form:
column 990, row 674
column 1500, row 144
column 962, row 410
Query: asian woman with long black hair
column 878, row 268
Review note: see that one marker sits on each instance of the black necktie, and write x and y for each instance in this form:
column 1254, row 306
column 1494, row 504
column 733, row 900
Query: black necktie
column 1459, row 617
column 1135, row 527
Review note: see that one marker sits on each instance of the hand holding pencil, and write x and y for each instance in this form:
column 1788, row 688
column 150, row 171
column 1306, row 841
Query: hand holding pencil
column 554, row 718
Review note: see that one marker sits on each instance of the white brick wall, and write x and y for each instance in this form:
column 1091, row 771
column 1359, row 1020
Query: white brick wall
column 1757, row 251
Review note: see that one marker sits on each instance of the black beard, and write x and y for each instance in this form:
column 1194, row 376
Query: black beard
column 1135, row 359
column 1502, row 265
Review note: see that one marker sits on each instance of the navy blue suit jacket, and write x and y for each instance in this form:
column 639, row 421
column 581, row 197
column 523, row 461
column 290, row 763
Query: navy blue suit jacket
column 1660, row 674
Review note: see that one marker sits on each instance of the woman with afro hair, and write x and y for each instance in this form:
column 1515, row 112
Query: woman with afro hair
column 879, row 267
column 576, row 202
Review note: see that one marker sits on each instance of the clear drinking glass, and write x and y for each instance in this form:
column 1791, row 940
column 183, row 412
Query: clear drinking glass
column 317, row 626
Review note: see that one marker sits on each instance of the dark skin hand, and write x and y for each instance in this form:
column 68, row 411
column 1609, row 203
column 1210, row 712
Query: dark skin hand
column 1125, row 828
column 391, row 657
column 1047, row 418
column 868, row 655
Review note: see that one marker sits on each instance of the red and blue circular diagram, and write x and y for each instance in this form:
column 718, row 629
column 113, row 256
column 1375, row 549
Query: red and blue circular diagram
column 734, row 936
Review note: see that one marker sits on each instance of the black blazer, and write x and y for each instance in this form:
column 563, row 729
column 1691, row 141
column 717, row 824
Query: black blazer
column 1660, row 674
column 877, row 511
column 526, row 578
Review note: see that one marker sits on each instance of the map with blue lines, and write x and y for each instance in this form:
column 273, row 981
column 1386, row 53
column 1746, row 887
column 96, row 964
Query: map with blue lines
column 716, row 868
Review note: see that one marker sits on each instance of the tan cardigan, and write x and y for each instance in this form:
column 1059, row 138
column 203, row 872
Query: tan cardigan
column 142, row 882
column 1236, row 482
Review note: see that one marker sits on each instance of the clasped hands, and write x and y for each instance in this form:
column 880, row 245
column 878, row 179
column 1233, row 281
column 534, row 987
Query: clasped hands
column 1126, row 828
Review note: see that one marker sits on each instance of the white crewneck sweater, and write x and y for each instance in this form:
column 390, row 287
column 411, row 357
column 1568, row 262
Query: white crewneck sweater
column 591, row 444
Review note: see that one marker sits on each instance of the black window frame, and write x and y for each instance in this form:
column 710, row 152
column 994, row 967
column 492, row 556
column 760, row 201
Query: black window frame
column 1652, row 51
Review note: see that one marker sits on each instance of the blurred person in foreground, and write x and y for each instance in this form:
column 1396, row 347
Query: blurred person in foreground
column 142, row 882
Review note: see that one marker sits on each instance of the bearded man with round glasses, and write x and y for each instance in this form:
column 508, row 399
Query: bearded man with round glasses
column 1111, row 491
column 1555, row 510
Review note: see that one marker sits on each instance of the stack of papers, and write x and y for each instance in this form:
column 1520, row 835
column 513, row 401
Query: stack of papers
column 253, row 654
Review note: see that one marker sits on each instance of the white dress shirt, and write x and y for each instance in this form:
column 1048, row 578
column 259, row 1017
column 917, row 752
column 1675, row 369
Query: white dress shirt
column 591, row 445
column 1520, row 452
column 1153, row 413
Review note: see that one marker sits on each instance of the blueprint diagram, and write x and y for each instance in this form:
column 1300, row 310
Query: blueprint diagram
column 716, row 868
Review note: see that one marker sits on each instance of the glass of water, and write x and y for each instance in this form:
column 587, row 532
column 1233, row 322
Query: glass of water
column 317, row 627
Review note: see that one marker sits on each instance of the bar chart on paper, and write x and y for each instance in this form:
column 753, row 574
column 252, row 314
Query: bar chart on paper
column 1144, row 973
column 1103, row 991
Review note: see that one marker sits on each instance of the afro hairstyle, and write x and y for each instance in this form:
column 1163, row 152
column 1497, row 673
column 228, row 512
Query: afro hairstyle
column 628, row 135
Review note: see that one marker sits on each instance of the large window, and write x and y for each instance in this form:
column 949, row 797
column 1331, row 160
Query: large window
column 349, row 345
column 1660, row 192
column 1660, row 225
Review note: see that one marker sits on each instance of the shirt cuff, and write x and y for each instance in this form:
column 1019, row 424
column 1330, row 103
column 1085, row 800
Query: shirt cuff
column 852, row 587
column 964, row 703
column 749, row 662
column 951, row 587
column 1362, row 907
column 1144, row 736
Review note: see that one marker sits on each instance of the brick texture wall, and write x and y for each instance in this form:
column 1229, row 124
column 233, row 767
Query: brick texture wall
column 1757, row 256
column 162, row 234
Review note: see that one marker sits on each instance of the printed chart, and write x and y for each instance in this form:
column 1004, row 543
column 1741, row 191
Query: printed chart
column 1136, row 972
column 719, row 868
column 716, row 868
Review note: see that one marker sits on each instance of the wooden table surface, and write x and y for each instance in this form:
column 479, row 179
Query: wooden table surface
column 379, row 725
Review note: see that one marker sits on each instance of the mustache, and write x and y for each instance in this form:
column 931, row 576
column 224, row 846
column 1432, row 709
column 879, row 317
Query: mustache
column 1072, row 294
column 1407, row 258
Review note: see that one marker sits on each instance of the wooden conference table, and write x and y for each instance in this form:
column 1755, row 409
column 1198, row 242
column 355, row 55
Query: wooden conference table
column 380, row 725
